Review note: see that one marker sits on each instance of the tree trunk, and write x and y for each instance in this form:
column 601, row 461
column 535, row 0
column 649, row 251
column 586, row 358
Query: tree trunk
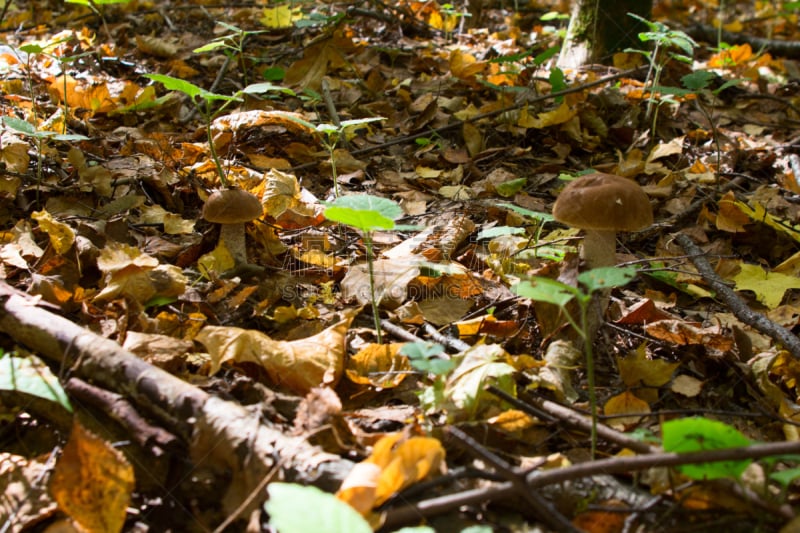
column 599, row 28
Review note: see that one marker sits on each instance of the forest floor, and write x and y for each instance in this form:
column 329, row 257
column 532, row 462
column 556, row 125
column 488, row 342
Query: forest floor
column 406, row 158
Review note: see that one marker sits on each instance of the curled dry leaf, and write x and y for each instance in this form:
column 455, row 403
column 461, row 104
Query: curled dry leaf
column 395, row 464
column 299, row 365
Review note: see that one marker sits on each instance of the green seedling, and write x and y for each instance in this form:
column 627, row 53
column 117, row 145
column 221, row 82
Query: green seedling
column 204, row 101
column 699, row 434
column 667, row 45
column 332, row 134
column 554, row 292
column 40, row 132
column 452, row 17
column 232, row 45
column 367, row 214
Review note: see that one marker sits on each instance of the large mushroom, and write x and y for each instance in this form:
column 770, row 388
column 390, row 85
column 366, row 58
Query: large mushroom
column 232, row 209
column 601, row 205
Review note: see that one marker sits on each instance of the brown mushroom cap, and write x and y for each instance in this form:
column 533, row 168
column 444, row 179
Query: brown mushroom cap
column 232, row 206
column 603, row 202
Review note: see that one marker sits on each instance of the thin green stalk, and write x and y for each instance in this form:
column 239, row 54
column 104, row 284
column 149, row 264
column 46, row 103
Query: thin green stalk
column 371, row 268
column 588, row 349
column 214, row 156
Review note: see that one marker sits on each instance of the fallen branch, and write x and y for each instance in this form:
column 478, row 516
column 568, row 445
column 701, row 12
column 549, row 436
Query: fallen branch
column 737, row 306
column 615, row 465
column 221, row 434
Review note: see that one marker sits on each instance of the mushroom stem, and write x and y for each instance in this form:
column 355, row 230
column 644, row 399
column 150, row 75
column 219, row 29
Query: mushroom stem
column 599, row 248
column 233, row 237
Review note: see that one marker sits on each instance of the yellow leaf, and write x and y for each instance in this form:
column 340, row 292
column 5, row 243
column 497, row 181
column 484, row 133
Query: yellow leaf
column 427, row 172
column 624, row 408
column 217, row 260
column 280, row 17
column 378, row 365
column 560, row 115
column 636, row 368
column 92, row 482
column 512, row 421
column 175, row 225
column 768, row 286
column 61, row 236
column 758, row 213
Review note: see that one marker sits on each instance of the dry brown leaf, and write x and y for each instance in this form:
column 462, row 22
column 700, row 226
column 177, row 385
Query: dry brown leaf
column 299, row 365
column 681, row 333
column 686, row 386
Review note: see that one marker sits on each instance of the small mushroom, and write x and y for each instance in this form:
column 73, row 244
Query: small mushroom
column 232, row 208
column 601, row 205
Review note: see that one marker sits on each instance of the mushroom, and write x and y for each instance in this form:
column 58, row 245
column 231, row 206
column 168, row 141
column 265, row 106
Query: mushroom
column 601, row 205
column 232, row 208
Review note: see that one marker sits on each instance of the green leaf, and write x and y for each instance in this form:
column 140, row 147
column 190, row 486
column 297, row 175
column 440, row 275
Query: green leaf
column 213, row 45
column 499, row 231
column 266, row 87
column 299, row 509
column 510, row 188
column 535, row 215
column 547, row 290
column 177, row 84
column 425, row 357
column 786, row 477
column 188, row 88
column 358, row 122
column 606, row 277
column 541, row 58
column 20, row 126
column 29, row 375
column 698, row 80
column 273, row 73
column 701, row 434
column 364, row 212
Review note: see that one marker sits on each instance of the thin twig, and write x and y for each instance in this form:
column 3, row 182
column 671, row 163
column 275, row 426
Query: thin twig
column 737, row 306
column 615, row 465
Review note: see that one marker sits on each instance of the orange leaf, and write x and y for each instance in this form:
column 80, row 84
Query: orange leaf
column 378, row 365
column 622, row 405
column 92, row 482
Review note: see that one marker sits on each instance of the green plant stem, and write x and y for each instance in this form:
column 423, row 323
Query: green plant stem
column 588, row 349
column 214, row 155
column 371, row 269
column 333, row 169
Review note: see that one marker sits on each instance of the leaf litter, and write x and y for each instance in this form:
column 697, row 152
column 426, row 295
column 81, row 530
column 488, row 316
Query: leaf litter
column 104, row 179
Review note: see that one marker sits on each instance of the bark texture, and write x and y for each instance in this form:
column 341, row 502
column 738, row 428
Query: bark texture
column 221, row 435
column 599, row 28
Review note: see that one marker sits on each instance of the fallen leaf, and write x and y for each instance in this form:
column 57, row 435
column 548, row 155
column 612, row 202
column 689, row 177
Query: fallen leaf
column 395, row 463
column 299, row 365
column 92, row 482
column 61, row 236
column 379, row 365
column 625, row 409
column 636, row 369
column 768, row 286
